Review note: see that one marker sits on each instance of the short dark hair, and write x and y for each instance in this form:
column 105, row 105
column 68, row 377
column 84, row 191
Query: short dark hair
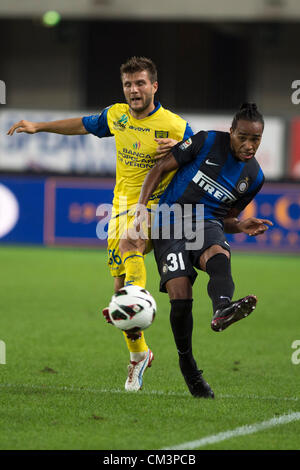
column 138, row 64
column 247, row 112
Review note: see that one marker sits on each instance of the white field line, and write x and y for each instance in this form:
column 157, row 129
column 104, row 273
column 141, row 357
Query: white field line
column 237, row 432
column 72, row 389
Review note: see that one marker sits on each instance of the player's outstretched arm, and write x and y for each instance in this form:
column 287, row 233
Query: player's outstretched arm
column 252, row 226
column 72, row 126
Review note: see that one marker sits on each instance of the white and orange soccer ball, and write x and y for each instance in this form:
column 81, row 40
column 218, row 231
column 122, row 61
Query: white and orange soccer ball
column 132, row 309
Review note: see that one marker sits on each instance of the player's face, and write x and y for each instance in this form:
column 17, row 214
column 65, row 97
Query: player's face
column 245, row 139
column 139, row 93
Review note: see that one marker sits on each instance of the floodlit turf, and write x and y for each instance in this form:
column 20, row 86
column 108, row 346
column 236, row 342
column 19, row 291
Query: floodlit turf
column 62, row 386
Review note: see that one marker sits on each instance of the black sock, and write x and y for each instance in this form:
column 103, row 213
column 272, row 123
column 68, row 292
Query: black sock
column 220, row 287
column 181, row 319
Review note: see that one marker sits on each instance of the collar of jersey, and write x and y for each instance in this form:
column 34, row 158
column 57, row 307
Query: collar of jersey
column 157, row 107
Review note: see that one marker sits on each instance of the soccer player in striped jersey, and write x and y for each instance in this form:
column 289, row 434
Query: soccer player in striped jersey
column 143, row 130
column 218, row 172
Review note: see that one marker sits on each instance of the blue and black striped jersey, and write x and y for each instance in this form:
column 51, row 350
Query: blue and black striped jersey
column 209, row 174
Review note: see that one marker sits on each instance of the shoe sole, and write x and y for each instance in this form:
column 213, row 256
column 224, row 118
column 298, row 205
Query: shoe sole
column 243, row 308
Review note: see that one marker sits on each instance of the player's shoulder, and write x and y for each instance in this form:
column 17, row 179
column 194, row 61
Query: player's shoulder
column 211, row 137
column 173, row 117
column 117, row 116
column 215, row 135
column 255, row 166
column 221, row 135
column 117, row 109
column 178, row 127
column 200, row 135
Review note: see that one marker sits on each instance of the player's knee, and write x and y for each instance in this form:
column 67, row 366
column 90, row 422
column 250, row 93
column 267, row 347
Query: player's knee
column 179, row 288
column 219, row 267
column 129, row 244
column 124, row 245
column 210, row 253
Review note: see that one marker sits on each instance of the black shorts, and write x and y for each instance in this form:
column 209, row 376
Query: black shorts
column 173, row 259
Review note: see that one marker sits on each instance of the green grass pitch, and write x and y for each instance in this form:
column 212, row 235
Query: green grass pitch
column 62, row 386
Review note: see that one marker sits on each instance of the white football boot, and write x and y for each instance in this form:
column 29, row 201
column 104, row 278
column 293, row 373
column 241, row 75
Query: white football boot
column 136, row 371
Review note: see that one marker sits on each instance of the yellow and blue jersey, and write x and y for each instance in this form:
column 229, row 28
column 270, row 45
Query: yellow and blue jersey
column 135, row 146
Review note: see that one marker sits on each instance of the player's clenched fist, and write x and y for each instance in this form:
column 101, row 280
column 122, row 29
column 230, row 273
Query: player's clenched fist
column 23, row 126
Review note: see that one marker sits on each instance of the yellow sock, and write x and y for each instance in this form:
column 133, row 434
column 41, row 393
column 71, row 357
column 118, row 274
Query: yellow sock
column 138, row 345
column 136, row 275
column 135, row 268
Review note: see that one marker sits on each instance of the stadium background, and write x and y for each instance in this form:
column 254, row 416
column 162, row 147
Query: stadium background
column 211, row 57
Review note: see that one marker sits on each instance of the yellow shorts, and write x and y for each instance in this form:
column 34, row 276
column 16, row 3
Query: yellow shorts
column 118, row 224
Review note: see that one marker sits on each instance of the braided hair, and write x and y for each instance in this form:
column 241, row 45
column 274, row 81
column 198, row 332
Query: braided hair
column 247, row 112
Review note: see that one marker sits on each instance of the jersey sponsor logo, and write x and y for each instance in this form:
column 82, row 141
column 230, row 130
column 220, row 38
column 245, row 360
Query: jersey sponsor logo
column 161, row 134
column 132, row 153
column 139, row 129
column 186, row 144
column 243, row 185
column 165, row 268
column 137, row 145
column 213, row 188
column 208, row 162
column 120, row 125
column 135, row 158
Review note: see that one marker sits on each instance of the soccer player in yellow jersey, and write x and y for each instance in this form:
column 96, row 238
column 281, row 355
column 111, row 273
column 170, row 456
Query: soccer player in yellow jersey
column 143, row 131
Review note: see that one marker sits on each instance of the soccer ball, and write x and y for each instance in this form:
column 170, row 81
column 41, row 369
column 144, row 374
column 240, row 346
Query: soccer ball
column 132, row 309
